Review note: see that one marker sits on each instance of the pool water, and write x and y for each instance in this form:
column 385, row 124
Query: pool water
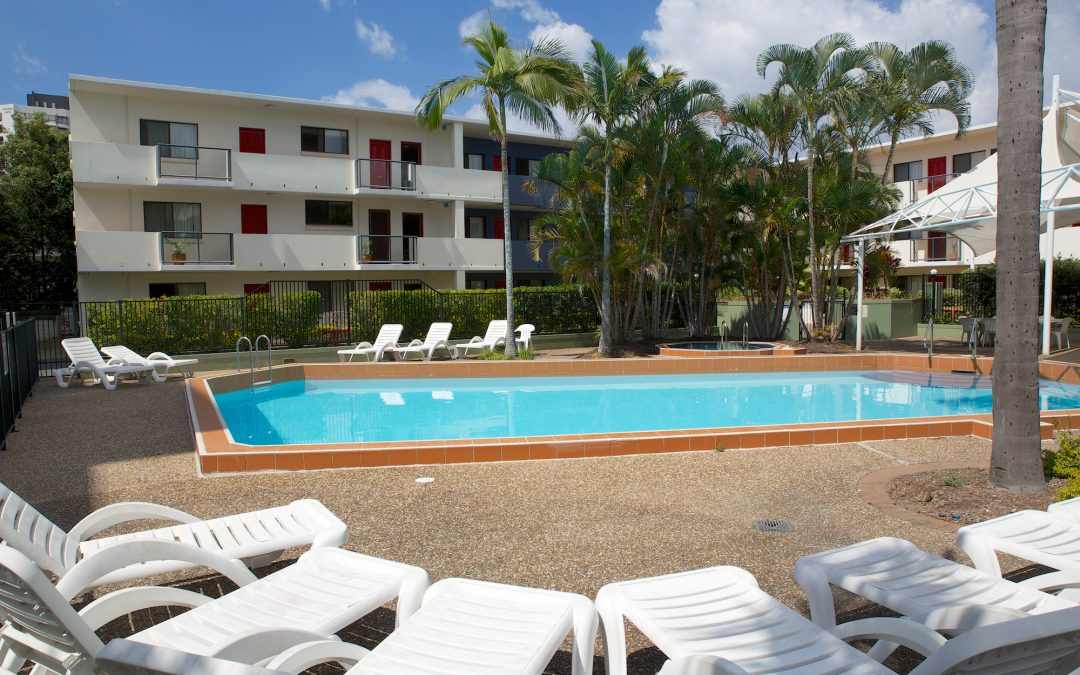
column 349, row 411
column 721, row 346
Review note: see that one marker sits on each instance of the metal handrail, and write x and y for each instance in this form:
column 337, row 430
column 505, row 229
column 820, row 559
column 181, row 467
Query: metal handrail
column 195, row 158
column 724, row 331
column 974, row 337
column 406, row 174
column 251, row 356
column 928, row 337
column 745, row 333
column 269, row 361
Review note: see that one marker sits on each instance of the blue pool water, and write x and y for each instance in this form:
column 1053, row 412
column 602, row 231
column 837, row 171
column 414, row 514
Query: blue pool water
column 341, row 411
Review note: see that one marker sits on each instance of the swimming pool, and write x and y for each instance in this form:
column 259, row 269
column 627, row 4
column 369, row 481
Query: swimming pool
column 394, row 410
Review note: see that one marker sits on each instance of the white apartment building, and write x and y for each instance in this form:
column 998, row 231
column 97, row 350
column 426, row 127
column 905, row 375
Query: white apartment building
column 53, row 108
column 182, row 191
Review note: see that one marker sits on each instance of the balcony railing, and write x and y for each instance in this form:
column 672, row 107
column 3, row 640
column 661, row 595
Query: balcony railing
column 918, row 188
column 945, row 248
column 189, row 161
column 196, row 248
column 386, row 249
column 385, row 174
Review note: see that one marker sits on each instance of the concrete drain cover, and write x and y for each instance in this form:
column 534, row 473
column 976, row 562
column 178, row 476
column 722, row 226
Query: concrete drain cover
column 773, row 526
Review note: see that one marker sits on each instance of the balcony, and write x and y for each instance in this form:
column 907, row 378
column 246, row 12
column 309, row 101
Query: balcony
column 385, row 249
column 523, row 259
column 913, row 190
column 385, row 174
column 193, row 163
column 942, row 248
column 543, row 199
column 196, row 248
column 445, row 183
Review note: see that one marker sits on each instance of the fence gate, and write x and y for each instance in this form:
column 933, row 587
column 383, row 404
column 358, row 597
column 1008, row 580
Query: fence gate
column 18, row 370
column 52, row 323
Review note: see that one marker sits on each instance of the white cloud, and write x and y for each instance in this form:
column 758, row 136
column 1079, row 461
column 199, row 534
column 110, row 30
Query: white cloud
column 376, row 93
column 377, row 39
column 530, row 10
column 325, row 4
column 25, row 64
column 470, row 25
column 547, row 23
column 575, row 38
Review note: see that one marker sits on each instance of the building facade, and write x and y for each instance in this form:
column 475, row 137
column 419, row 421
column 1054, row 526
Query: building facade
column 55, row 110
column 182, row 191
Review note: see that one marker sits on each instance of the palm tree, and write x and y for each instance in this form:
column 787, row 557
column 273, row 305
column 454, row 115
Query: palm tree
column 911, row 85
column 527, row 82
column 608, row 92
column 814, row 76
column 1015, row 458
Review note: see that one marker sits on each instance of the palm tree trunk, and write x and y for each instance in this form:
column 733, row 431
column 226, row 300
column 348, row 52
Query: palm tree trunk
column 508, row 249
column 605, row 292
column 1015, row 461
column 893, row 138
column 815, row 279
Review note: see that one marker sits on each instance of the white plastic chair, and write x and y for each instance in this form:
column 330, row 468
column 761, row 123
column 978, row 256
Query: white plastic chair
column 437, row 337
column 924, row 587
column 462, row 626
column 524, row 335
column 388, row 337
column 495, row 336
column 85, row 358
column 326, row 590
column 1042, row 537
column 257, row 538
column 120, row 353
column 1061, row 331
column 966, row 323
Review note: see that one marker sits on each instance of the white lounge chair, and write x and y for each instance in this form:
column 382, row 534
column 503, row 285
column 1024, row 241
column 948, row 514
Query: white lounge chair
column 717, row 620
column 388, row 337
column 924, row 587
column 524, row 335
column 324, row 591
column 494, row 337
column 1042, row 537
column 257, row 538
column 437, row 337
column 120, row 353
column 463, row 626
column 85, row 358
column 1068, row 509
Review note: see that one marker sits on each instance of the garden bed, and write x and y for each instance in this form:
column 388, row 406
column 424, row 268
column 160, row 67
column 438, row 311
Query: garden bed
column 964, row 496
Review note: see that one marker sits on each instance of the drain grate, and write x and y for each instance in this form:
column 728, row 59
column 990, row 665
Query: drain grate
column 773, row 526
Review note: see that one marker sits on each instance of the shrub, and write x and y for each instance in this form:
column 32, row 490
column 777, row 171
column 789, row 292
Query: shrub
column 497, row 355
column 1069, row 490
column 188, row 324
column 1065, row 463
column 292, row 317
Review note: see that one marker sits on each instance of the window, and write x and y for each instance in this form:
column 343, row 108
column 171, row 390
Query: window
column 315, row 139
column 477, row 284
column 180, row 138
column 172, row 217
column 905, row 171
column 475, row 227
column 410, row 152
column 319, row 212
column 172, row 290
column 522, row 229
column 474, row 161
column 967, row 161
column 525, row 167
column 253, row 140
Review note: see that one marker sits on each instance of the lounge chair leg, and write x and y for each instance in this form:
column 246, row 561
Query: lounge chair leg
column 613, row 632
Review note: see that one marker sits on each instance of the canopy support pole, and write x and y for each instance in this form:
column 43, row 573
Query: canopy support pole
column 859, row 303
column 1048, row 282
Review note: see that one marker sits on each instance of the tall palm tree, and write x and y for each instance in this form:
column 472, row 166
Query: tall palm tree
column 527, row 82
column 814, row 76
column 1015, row 458
column 608, row 91
column 911, row 85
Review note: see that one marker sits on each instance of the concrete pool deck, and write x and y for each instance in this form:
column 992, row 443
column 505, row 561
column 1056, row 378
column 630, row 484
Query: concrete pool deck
column 570, row 525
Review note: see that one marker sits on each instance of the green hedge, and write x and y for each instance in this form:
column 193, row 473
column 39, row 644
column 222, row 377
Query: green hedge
column 291, row 317
column 552, row 309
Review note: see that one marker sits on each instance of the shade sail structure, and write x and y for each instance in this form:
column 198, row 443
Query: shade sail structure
column 967, row 206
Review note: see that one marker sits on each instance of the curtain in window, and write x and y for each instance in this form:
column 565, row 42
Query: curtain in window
column 187, row 217
column 185, row 135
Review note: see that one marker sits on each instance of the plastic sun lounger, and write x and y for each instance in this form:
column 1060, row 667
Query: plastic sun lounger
column 326, row 590
column 386, row 340
column 462, row 626
column 1039, row 536
column 1068, row 509
column 438, row 337
column 85, row 358
column 186, row 367
column 495, row 336
column 921, row 586
column 257, row 538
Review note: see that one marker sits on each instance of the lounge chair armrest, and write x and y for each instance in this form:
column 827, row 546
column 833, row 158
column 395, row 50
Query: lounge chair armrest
column 114, row 361
column 160, row 356
column 124, row 512
column 257, row 645
column 905, row 632
column 127, row 600
column 414, row 343
column 960, row 618
column 310, row 654
column 363, row 345
column 127, row 657
column 1054, row 581
column 702, row 664
column 111, row 558
column 475, row 339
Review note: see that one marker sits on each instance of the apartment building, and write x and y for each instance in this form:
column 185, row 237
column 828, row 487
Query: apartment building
column 924, row 165
column 183, row 191
column 55, row 110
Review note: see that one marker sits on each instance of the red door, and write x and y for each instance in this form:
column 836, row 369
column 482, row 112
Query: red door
column 379, row 235
column 497, row 225
column 936, row 170
column 380, row 163
column 253, row 218
column 256, row 288
column 496, row 163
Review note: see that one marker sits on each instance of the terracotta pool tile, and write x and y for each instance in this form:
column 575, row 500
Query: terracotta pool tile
column 918, row 431
column 623, row 446
column 289, row 461
column 848, row 435
column 208, row 464
column 542, row 451
column 938, row 429
column 401, row 457
column 872, row 432
column 347, row 459
column 487, row 453
column 775, row 439
column 260, row 461
column 431, row 455
column 459, row 454
column 230, row 463
column 515, row 451
column 801, row 437
column 597, row 448
column 318, row 460
column 570, row 450
column 751, row 440
column 702, row 442
column 893, row 431
column 824, row 436
column 1046, row 431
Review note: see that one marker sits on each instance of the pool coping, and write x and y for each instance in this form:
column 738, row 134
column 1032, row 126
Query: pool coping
column 217, row 453
column 774, row 349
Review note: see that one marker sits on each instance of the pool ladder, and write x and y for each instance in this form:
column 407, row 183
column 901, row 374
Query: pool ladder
column 253, row 358
column 928, row 338
column 724, row 332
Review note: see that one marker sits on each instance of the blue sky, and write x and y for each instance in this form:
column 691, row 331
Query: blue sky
column 389, row 53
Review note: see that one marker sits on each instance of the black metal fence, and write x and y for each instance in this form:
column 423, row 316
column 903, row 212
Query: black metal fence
column 52, row 323
column 18, row 371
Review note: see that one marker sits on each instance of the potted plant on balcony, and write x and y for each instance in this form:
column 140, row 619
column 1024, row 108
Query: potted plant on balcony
column 365, row 250
column 179, row 251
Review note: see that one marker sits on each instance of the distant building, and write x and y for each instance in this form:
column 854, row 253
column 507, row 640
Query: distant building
column 54, row 108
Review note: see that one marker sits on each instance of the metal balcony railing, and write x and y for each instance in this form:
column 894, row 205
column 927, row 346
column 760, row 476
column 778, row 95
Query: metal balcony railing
column 190, row 161
column 920, row 187
column 196, row 248
column 937, row 249
column 386, row 249
column 385, row 174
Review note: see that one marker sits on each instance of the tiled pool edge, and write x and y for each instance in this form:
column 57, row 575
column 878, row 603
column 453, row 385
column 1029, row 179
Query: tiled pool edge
column 217, row 454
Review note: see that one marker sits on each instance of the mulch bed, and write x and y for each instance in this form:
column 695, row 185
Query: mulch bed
column 964, row 496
